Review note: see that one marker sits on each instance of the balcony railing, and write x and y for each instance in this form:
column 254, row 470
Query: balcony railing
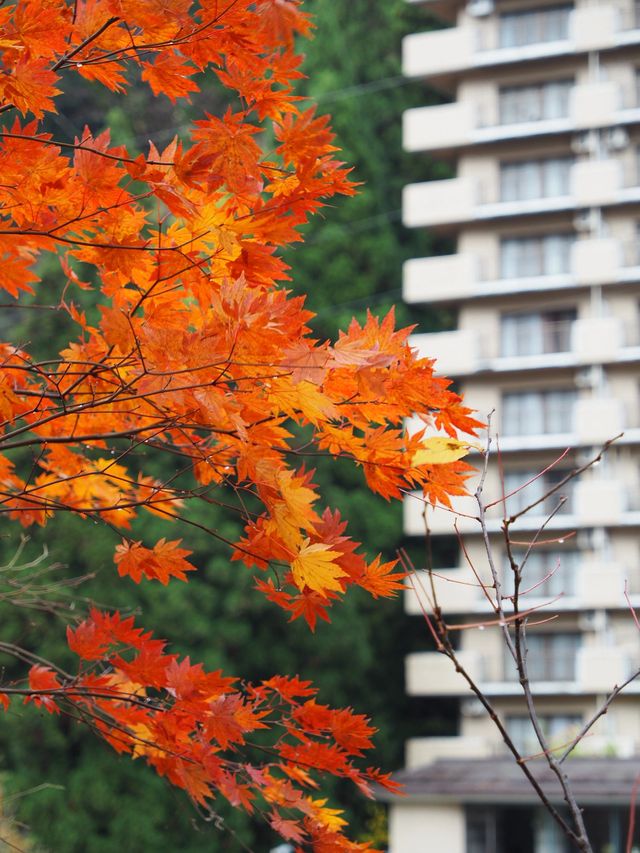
column 548, row 666
column 423, row 750
column 449, row 278
column 469, row 199
column 628, row 17
column 591, row 105
column 597, row 502
column 591, row 340
column 488, row 42
column 553, row 336
column 593, row 669
column 594, row 583
column 536, row 28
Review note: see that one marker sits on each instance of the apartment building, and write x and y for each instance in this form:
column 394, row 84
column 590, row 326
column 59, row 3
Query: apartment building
column 541, row 126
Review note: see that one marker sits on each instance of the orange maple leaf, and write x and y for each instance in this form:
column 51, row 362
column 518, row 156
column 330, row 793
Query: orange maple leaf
column 170, row 75
column 380, row 579
column 164, row 561
column 30, row 87
column 43, row 678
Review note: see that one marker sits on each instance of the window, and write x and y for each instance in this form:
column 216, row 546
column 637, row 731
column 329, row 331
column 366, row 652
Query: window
column 536, row 334
column 538, row 412
column 534, row 25
column 550, row 657
column 545, row 573
column 537, row 487
column 534, row 102
column 559, row 729
column 535, row 178
column 524, row 257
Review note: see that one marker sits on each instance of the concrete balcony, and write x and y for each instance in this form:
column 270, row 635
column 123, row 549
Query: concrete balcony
column 477, row 44
column 607, row 746
column 594, row 420
column 436, row 128
column 423, row 750
column 438, row 52
column 456, row 353
column 439, row 202
column 589, row 341
column 592, row 585
column 445, row 277
column 596, row 669
column 439, row 127
column 432, row 674
column 451, row 278
column 592, row 183
column 596, row 182
column 598, row 502
column 599, row 340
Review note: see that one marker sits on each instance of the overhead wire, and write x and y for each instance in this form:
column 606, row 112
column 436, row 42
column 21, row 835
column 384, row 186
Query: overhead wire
column 352, row 226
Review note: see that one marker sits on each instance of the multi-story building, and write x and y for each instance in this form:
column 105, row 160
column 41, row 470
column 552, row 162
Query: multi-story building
column 542, row 131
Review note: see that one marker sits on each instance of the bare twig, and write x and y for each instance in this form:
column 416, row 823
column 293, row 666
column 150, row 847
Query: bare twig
column 513, row 626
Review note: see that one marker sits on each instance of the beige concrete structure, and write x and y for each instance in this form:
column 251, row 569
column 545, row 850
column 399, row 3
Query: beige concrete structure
column 542, row 212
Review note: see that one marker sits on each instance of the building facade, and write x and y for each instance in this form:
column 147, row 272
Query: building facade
column 541, row 126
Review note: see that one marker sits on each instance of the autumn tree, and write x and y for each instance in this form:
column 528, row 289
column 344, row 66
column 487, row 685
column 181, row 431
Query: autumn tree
column 186, row 345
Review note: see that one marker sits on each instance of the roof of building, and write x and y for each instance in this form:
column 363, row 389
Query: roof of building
column 593, row 780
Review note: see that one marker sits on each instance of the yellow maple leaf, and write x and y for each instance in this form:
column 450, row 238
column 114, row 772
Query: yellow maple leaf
column 439, row 450
column 301, row 398
column 326, row 816
column 298, row 500
column 315, row 568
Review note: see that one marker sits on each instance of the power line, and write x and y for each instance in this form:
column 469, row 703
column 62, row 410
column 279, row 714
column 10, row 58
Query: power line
column 363, row 301
column 353, row 226
column 381, row 84
column 362, row 88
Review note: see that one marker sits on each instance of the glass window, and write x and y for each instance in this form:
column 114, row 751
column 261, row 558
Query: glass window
column 559, row 729
column 524, row 257
column 556, row 174
column 481, row 829
column 538, row 412
column 536, row 333
column 535, row 178
column 534, row 102
column 537, row 488
column 550, row 657
column 534, row 25
column 545, row 573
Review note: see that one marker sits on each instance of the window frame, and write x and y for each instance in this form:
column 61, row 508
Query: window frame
column 538, row 485
column 538, row 411
column 536, row 255
column 551, row 329
column 517, row 185
column 539, row 25
column 531, row 102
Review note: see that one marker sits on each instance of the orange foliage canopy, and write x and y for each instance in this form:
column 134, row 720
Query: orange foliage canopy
column 200, row 353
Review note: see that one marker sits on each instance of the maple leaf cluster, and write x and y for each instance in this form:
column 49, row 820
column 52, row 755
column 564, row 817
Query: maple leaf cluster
column 199, row 353
column 189, row 724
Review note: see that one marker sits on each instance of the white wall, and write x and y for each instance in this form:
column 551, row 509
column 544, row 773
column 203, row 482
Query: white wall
column 426, row 828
